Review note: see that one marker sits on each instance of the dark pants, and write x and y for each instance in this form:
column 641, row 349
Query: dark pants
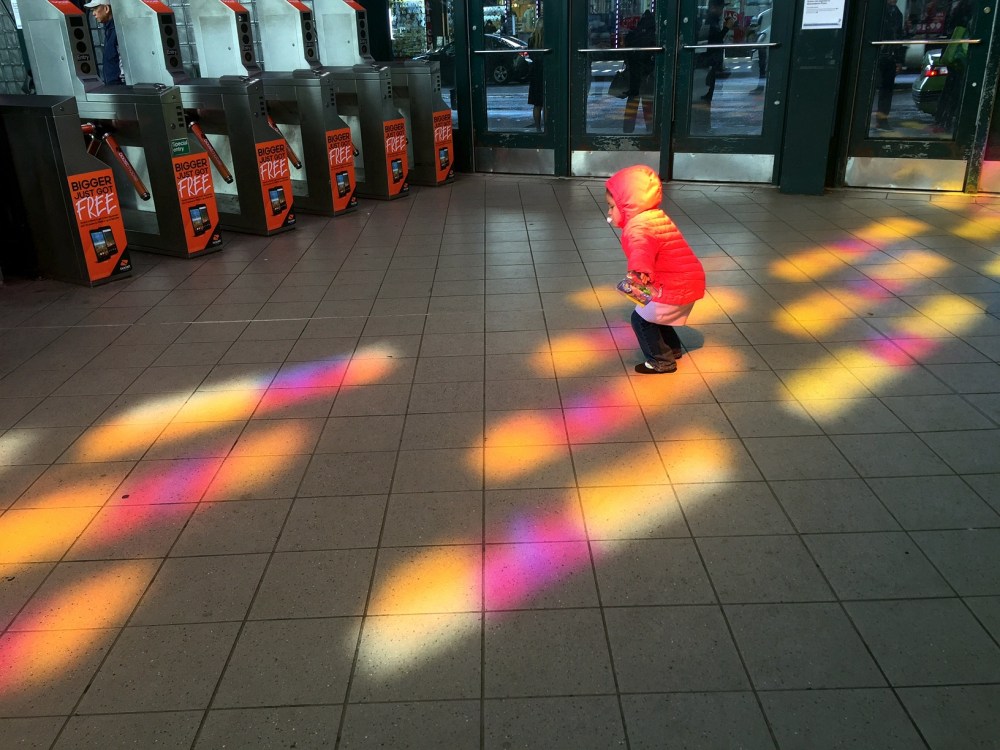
column 886, row 84
column 659, row 343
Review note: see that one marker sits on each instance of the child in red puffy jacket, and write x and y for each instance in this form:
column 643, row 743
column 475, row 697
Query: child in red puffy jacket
column 658, row 257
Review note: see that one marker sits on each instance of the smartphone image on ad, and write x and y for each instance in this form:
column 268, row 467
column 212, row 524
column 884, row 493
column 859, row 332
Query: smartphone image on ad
column 199, row 219
column 343, row 184
column 104, row 243
column 277, row 197
column 397, row 170
column 443, row 158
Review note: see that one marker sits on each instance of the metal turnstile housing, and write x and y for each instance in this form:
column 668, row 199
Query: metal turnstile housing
column 70, row 197
column 179, row 216
column 416, row 92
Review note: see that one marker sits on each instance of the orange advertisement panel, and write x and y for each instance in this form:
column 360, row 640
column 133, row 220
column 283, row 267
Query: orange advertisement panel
column 444, row 148
column 340, row 151
column 275, row 183
column 397, row 166
column 99, row 219
column 196, row 191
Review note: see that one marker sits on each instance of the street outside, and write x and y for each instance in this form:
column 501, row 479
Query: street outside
column 736, row 108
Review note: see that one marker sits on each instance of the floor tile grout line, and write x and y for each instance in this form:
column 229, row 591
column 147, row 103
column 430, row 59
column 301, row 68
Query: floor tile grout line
column 373, row 577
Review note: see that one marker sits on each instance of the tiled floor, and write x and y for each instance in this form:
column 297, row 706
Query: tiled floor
column 390, row 481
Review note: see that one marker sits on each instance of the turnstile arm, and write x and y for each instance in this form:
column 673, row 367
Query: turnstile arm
column 97, row 136
column 292, row 156
column 206, row 144
column 133, row 176
column 90, row 135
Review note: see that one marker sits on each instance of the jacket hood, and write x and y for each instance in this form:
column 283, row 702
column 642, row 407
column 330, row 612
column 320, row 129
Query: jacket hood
column 635, row 189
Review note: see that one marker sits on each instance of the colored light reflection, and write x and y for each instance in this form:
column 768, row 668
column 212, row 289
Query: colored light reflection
column 528, row 564
column 64, row 627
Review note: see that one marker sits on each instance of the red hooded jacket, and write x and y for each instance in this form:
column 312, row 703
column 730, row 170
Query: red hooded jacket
column 651, row 241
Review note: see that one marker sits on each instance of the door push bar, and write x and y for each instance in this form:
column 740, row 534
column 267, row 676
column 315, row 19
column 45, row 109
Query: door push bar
column 732, row 46
column 935, row 42
column 513, row 51
column 607, row 51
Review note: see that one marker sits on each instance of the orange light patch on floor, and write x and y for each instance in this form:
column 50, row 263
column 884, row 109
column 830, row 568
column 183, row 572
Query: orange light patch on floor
column 691, row 461
column 817, row 306
column 576, row 364
column 527, row 428
column 816, row 264
column 584, row 299
column 150, row 410
column 256, row 477
column 285, row 437
column 87, row 595
column 219, row 406
column 370, row 368
column 834, row 382
column 113, row 443
column 627, row 512
column 729, row 299
column 42, row 534
column 582, row 341
column 983, row 228
column 514, row 461
column 941, row 305
column 434, row 580
column 893, row 227
column 927, row 263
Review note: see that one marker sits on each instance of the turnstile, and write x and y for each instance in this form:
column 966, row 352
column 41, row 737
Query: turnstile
column 138, row 131
column 292, row 35
column 342, row 40
column 248, row 157
column 70, row 198
column 301, row 107
column 416, row 91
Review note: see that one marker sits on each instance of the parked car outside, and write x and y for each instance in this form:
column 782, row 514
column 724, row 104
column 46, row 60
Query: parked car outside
column 930, row 83
column 500, row 68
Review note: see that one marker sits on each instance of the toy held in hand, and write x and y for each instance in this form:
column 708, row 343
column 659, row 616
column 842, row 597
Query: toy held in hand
column 638, row 287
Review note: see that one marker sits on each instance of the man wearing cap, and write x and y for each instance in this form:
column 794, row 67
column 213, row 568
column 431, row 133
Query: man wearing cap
column 111, row 69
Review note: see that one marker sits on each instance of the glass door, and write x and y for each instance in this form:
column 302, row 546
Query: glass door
column 731, row 78
column 921, row 69
column 619, row 90
column 517, row 87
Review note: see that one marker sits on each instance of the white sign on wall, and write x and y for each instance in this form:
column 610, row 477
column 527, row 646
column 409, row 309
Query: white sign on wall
column 823, row 14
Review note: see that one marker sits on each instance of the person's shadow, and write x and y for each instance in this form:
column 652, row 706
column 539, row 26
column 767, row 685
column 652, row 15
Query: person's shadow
column 692, row 338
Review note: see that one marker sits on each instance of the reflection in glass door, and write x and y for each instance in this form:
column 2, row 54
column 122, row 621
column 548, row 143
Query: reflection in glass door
column 514, row 92
column 426, row 31
column 617, row 86
column 731, row 80
column 922, row 64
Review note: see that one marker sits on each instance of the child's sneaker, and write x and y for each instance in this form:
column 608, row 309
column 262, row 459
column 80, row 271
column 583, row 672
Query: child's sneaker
column 648, row 368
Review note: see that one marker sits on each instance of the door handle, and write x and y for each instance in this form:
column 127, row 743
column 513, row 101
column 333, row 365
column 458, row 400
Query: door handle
column 607, row 51
column 935, row 42
column 732, row 46
column 512, row 51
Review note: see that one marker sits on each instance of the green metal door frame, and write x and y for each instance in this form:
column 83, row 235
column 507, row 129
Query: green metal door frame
column 973, row 124
column 473, row 116
column 769, row 141
column 663, row 87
